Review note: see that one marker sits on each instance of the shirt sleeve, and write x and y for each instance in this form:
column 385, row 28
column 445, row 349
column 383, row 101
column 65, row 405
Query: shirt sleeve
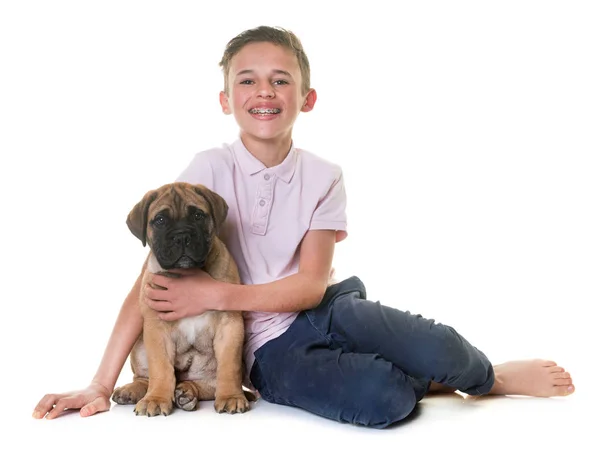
column 198, row 171
column 330, row 213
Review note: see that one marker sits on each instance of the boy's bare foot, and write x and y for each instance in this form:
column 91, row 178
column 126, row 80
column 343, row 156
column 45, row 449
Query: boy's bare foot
column 534, row 377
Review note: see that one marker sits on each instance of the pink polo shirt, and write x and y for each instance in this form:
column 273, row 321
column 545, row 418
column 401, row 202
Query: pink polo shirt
column 270, row 211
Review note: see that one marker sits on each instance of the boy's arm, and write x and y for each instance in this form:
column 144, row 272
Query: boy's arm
column 300, row 291
column 96, row 397
column 126, row 331
column 196, row 292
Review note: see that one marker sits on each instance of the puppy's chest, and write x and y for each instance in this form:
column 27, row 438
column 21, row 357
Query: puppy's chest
column 194, row 332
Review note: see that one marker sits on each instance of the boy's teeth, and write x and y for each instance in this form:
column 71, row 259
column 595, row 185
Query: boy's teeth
column 265, row 111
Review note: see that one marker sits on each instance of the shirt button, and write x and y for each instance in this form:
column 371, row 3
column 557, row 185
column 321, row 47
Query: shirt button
column 267, row 177
column 261, row 202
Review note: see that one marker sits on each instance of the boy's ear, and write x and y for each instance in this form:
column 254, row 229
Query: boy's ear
column 224, row 100
column 309, row 101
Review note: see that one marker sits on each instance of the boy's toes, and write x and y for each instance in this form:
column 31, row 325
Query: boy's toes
column 562, row 379
column 562, row 375
column 563, row 390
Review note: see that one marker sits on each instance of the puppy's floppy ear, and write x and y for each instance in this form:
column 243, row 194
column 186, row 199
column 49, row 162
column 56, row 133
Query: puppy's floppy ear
column 137, row 220
column 217, row 204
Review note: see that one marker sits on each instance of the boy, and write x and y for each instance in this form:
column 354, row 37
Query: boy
column 309, row 343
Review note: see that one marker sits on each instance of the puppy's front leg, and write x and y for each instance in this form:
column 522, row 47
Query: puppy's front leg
column 228, row 344
column 160, row 350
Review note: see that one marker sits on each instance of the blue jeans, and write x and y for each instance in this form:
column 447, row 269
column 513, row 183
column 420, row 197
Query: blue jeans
column 356, row 361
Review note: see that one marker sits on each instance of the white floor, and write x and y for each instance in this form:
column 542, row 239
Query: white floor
column 448, row 424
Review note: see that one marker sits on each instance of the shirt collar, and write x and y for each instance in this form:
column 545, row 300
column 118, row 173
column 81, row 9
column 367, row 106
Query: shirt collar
column 252, row 165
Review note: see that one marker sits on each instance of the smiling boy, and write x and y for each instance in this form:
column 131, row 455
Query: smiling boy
column 310, row 343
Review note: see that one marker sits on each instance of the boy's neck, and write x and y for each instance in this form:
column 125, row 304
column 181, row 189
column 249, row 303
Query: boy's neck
column 270, row 152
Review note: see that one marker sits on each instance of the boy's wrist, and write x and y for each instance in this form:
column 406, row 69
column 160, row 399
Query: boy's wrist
column 227, row 297
column 102, row 386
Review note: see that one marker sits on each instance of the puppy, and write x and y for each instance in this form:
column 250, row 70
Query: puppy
column 196, row 358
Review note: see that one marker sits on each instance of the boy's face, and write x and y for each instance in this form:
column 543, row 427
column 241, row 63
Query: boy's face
column 265, row 94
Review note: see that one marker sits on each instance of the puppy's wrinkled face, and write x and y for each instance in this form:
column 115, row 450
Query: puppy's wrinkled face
column 179, row 221
column 180, row 233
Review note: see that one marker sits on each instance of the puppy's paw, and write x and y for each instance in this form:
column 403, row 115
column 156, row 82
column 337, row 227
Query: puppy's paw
column 130, row 394
column 232, row 404
column 185, row 397
column 152, row 406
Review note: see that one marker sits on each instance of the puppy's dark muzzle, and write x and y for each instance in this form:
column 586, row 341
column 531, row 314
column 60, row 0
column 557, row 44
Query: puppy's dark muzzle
column 182, row 239
column 182, row 248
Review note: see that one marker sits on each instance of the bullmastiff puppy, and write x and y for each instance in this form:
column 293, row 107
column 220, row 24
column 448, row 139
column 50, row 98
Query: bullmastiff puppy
column 196, row 358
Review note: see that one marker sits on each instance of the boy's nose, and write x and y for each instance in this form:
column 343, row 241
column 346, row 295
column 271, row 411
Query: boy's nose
column 265, row 90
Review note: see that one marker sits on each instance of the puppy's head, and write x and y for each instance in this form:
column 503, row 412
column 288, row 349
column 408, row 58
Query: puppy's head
column 179, row 222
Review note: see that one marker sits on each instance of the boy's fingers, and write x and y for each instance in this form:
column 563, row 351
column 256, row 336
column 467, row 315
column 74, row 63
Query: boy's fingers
column 168, row 316
column 52, row 405
column 72, row 402
column 154, row 294
column 159, row 280
column 100, row 404
column 160, row 306
column 44, row 406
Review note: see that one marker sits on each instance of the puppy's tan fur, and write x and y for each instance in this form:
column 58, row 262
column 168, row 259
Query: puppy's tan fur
column 196, row 358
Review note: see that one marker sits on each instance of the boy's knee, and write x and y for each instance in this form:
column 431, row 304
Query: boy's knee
column 382, row 403
column 381, row 414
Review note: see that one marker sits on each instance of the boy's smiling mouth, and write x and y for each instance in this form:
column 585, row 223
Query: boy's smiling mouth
column 264, row 111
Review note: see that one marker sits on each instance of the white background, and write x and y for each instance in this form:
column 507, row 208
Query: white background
column 468, row 133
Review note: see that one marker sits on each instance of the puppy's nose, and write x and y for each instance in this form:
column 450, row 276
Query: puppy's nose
column 183, row 239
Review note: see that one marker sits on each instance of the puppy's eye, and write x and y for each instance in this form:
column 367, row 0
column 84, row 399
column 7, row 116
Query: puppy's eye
column 160, row 220
column 198, row 216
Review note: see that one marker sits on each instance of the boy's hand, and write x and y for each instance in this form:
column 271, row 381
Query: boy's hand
column 193, row 293
column 91, row 400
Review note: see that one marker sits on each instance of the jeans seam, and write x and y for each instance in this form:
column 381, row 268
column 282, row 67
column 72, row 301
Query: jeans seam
column 323, row 335
column 331, row 303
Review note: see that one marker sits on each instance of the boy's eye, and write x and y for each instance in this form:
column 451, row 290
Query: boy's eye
column 246, row 82
column 280, row 82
